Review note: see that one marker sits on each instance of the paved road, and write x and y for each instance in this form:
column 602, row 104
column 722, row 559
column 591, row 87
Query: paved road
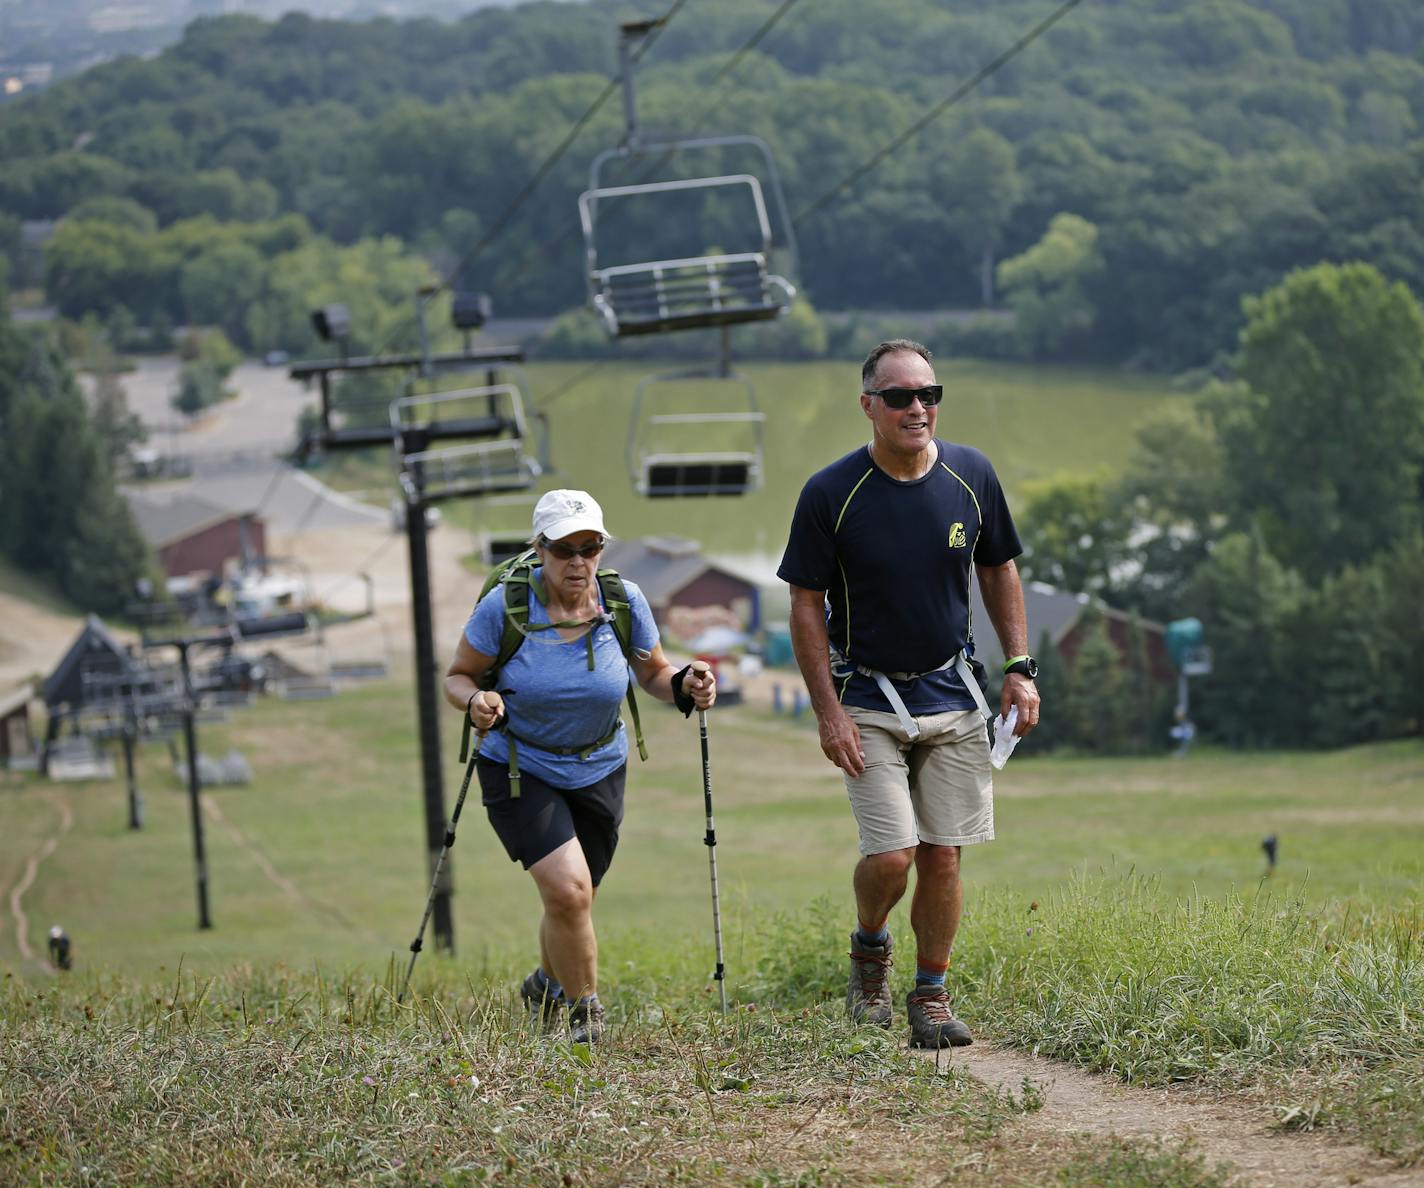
column 260, row 422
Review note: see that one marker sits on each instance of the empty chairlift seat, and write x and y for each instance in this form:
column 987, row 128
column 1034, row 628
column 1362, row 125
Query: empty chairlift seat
column 695, row 453
column 694, row 292
column 436, row 437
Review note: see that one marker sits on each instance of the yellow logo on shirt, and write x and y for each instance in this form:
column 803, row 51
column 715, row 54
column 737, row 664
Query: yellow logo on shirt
column 957, row 539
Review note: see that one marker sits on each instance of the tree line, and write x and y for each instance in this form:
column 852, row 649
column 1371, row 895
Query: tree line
column 1285, row 509
column 1121, row 185
column 61, row 515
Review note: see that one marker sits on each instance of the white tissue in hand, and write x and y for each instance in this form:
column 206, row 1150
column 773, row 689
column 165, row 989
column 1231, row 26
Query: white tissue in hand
column 1005, row 740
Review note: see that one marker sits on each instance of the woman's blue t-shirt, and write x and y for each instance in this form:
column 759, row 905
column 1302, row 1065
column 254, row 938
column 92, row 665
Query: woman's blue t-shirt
column 553, row 699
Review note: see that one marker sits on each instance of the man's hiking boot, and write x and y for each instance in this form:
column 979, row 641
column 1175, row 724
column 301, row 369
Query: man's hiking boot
column 586, row 1021
column 543, row 1007
column 932, row 1024
column 868, row 995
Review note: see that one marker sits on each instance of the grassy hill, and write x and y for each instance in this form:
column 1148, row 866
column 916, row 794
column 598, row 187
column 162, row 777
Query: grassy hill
column 320, row 859
column 1120, row 922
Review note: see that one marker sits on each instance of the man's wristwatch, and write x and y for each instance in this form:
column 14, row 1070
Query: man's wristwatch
column 1023, row 665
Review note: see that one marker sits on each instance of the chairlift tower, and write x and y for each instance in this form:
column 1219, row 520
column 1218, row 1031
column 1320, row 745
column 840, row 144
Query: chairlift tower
column 449, row 441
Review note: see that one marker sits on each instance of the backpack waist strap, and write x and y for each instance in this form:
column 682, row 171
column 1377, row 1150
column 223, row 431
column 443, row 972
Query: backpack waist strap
column 841, row 667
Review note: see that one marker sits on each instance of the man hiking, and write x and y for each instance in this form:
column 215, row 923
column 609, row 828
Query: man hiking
column 879, row 560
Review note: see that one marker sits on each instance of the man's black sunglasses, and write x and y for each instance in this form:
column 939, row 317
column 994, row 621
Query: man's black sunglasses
column 929, row 396
column 566, row 552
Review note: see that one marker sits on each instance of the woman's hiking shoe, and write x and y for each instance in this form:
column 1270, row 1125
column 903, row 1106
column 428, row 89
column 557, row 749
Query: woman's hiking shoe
column 543, row 1007
column 586, row 1021
column 932, row 1024
column 868, row 995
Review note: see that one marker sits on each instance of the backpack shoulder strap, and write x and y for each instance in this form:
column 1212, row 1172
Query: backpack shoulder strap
column 617, row 603
column 515, row 578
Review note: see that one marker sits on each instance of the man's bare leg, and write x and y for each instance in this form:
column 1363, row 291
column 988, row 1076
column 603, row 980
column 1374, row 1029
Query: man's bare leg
column 938, row 901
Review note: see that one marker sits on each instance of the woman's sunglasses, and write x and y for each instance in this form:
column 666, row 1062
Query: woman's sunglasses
column 566, row 552
column 899, row 398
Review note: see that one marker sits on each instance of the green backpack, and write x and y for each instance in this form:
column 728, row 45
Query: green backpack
column 517, row 577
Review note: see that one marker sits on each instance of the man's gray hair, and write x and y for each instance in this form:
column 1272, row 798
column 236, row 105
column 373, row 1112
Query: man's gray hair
column 891, row 347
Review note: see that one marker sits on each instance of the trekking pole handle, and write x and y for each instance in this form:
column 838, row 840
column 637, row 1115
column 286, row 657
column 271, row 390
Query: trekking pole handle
column 485, row 699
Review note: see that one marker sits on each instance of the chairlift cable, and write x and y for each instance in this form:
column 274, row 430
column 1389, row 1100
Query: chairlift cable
column 271, row 488
column 983, row 73
column 569, row 384
column 365, row 564
column 310, row 512
column 542, row 251
column 750, row 44
column 551, row 160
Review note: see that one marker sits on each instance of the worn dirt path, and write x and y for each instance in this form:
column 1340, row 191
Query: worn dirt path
column 1221, row 1127
column 27, row 879
column 288, row 888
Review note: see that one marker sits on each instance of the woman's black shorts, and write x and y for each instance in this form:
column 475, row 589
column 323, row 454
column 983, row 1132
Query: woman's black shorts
column 542, row 818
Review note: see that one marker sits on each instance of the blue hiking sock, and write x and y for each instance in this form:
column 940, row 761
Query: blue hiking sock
column 930, row 973
column 873, row 940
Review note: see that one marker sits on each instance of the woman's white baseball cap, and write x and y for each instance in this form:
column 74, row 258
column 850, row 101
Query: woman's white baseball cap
column 563, row 512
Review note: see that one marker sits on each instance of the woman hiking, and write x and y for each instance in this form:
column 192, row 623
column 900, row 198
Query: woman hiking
column 540, row 670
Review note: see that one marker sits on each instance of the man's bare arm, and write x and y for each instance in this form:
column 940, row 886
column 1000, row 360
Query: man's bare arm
column 1003, row 599
column 840, row 738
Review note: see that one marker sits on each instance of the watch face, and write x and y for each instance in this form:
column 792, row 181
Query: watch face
column 1032, row 666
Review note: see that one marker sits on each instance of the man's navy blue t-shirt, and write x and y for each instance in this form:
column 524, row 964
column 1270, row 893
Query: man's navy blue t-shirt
column 896, row 559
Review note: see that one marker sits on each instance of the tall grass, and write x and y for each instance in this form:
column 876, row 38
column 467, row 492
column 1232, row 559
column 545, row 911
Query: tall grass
column 283, row 1078
column 1241, row 992
column 1108, row 975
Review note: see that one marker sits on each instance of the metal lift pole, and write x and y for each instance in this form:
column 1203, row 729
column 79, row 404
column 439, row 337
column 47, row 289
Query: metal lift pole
column 130, row 740
column 190, row 739
column 428, row 705
column 422, row 618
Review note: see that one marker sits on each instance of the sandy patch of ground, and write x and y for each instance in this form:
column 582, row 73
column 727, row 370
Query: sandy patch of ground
column 1222, row 1128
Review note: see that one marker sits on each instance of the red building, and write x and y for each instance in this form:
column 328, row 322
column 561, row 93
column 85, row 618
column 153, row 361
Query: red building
column 192, row 536
column 690, row 595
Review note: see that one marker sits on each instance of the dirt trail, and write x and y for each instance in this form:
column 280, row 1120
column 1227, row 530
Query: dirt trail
column 26, row 881
column 1222, row 1128
column 275, row 877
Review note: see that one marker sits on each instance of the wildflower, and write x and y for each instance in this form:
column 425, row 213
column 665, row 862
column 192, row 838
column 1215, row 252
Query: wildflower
column 367, row 1081
column 474, row 1081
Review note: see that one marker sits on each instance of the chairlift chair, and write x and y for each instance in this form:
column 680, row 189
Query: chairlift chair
column 654, row 294
column 687, row 467
column 459, row 465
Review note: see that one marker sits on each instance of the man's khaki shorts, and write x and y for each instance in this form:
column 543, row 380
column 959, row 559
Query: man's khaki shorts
column 937, row 789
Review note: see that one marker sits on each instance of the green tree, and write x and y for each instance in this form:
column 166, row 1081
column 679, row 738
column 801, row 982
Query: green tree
column 220, row 283
column 1046, row 286
column 1248, row 604
column 1174, row 499
column 1102, row 710
column 1403, row 571
column 120, row 211
column 1341, row 640
column 116, row 426
column 980, row 186
column 1326, row 442
column 199, row 387
column 1075, row 534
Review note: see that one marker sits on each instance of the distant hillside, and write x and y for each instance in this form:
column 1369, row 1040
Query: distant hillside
column 1206, row 148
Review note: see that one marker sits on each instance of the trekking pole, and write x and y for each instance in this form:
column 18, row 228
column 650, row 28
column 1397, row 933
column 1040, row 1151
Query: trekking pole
column 711, row 842
column 419, row 941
